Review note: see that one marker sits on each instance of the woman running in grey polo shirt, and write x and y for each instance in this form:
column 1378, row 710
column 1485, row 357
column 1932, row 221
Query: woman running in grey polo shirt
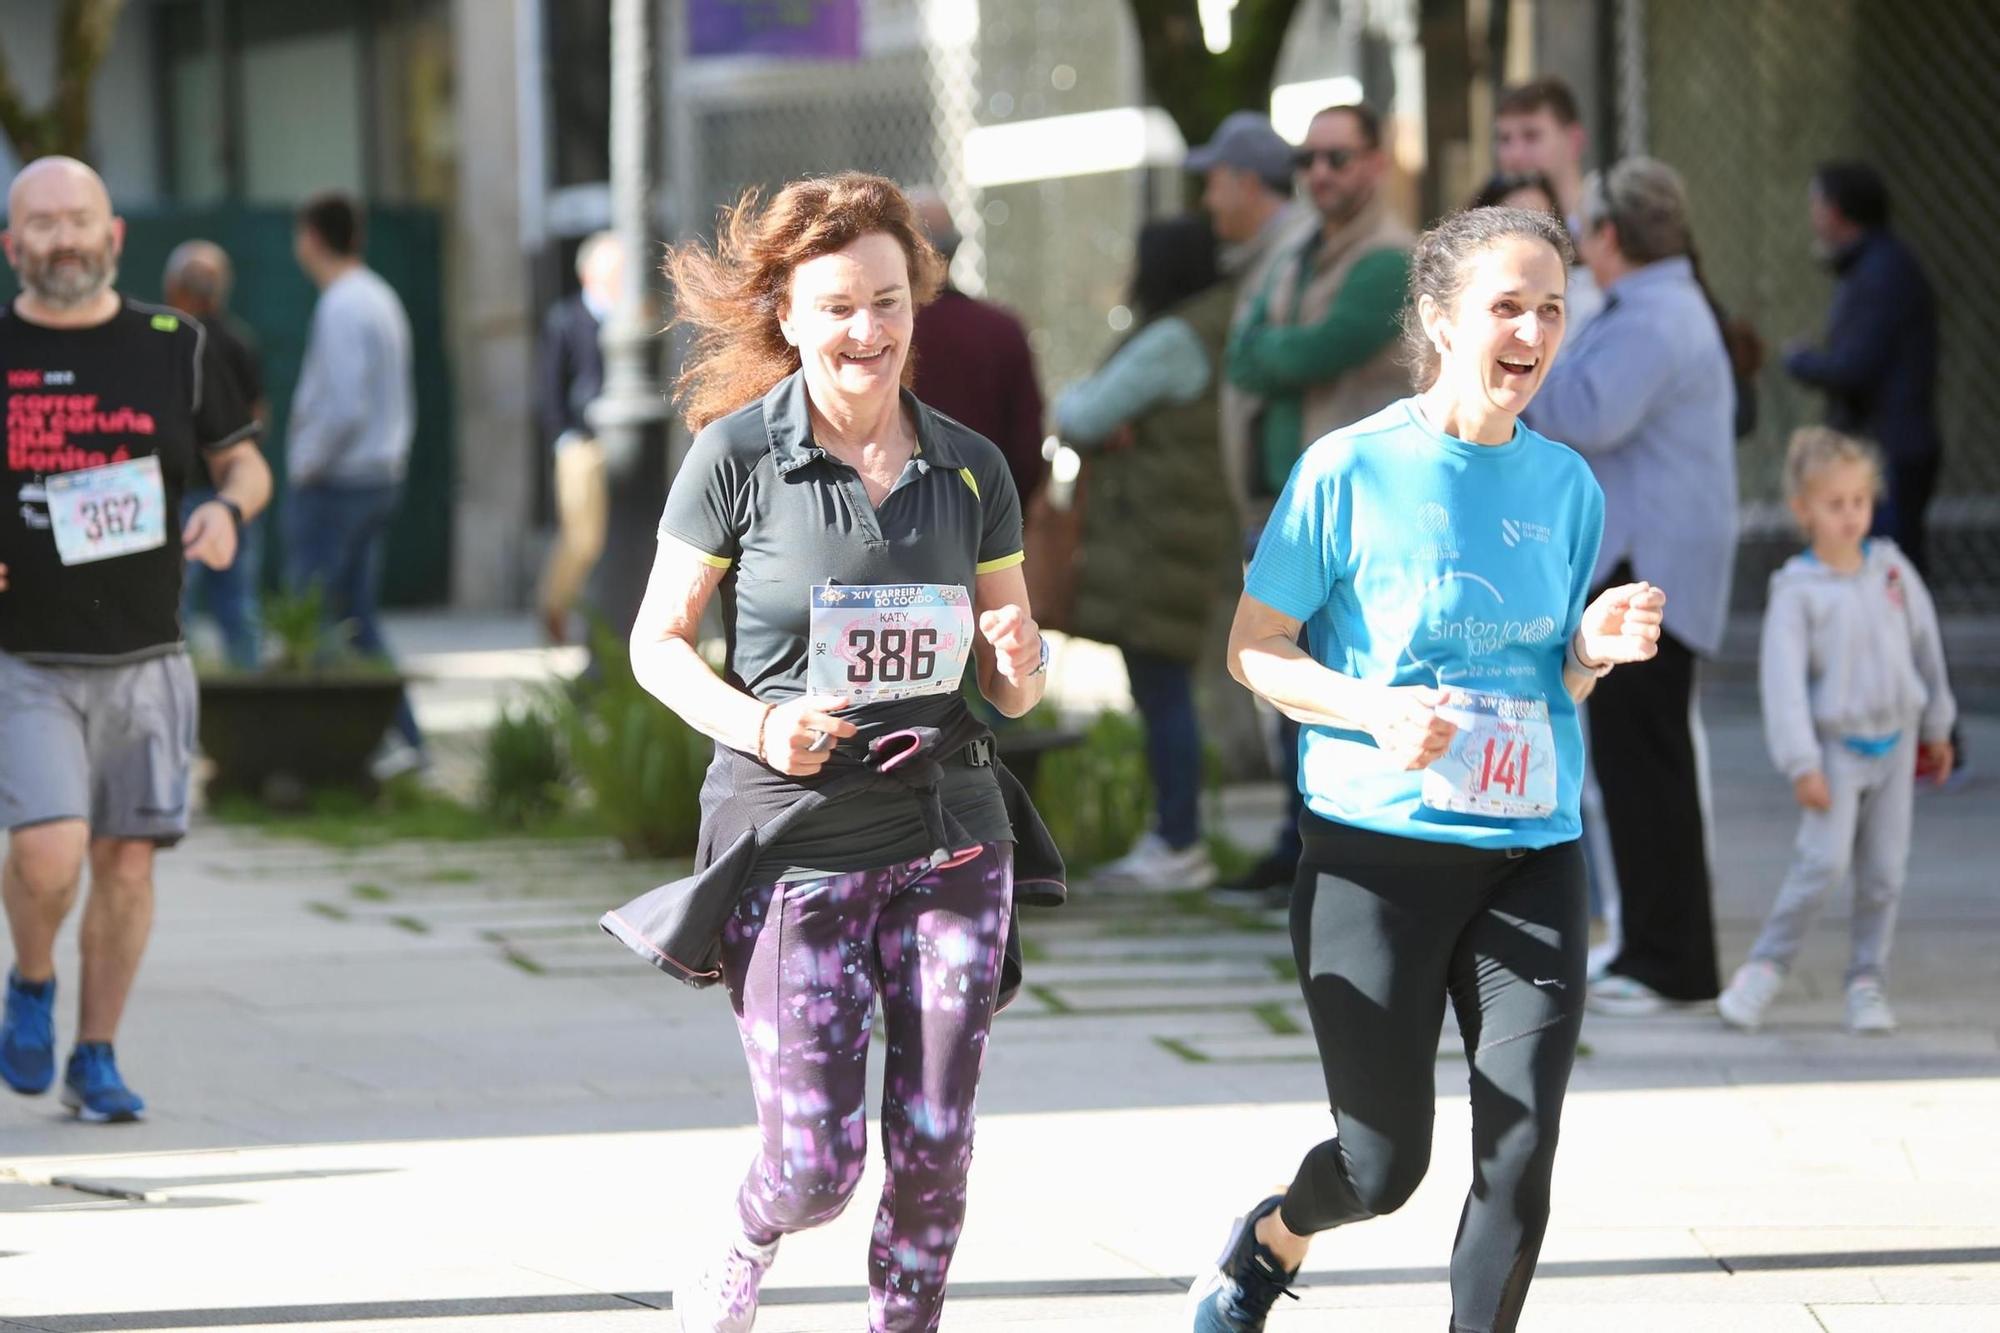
column 867, row 550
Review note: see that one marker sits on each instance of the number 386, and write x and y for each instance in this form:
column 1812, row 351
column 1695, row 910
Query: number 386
column 891, row 655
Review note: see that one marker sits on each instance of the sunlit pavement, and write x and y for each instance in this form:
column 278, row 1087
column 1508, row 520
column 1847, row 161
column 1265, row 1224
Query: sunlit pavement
column 413, row 1088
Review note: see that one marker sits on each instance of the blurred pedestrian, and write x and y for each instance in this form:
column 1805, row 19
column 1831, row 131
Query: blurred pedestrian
column 199, row 279
column 1530, row 190
column 569, row 377
column 1441, row 552
column 974, row 363
column 1538, row 130
column 1852, row 678
column 1154, row 535
column 353, row 416
column 1317, row 345
column 858, row 842
column 113, row 409
column 1246, row 173
column 1645, row 394
column 1878, row 360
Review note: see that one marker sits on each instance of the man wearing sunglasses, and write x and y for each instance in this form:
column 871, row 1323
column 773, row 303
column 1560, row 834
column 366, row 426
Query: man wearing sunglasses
column 1317, row 345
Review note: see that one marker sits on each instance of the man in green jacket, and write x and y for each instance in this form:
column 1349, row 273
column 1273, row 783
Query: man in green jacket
column 1318, row 343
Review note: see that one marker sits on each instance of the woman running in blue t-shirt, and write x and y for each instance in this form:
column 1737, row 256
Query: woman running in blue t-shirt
column 1437, row 555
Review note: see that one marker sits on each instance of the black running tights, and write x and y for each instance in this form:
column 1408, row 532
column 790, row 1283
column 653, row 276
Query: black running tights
column 1384, row 928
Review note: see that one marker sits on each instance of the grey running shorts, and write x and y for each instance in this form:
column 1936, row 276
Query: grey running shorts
column 112, row 745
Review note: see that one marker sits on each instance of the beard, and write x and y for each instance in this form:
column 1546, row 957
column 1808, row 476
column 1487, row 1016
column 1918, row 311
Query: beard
column 65, row 286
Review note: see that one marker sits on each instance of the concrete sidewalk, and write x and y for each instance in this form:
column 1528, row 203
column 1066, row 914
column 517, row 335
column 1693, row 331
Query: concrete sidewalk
column 414, row 1089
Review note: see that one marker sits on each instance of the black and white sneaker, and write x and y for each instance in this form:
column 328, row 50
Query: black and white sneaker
column 1266, row 886
column 1247, row 1280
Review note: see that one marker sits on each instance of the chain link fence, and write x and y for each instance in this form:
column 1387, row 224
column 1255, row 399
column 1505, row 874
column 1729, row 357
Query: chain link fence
column 1745, row 97
column 932, row 73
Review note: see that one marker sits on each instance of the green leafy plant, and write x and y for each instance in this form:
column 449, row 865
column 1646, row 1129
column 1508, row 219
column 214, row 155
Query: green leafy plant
column 641, row 764
column 1095, row 797
column 525, row 769
column 304, row 642
column 296, row 623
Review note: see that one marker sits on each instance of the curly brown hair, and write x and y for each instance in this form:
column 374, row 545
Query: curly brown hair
column 730, row 294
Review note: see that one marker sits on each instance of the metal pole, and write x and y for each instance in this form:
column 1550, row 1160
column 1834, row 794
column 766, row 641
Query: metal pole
column 631, row 399
column 1632, row 127
column 628, row 415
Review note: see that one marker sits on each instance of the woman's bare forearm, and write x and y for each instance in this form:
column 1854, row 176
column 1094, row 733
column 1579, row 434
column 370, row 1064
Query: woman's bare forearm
column 1278, row 671
column 672, row 671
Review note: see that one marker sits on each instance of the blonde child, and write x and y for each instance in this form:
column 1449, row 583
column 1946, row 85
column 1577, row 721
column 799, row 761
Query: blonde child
column 1853, row 685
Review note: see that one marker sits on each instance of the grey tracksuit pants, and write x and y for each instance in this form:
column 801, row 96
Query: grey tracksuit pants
column 1866, row 831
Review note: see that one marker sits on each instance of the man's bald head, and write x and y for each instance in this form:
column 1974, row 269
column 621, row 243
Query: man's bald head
column 62, row 237
column 56, row 182
column 198, row 278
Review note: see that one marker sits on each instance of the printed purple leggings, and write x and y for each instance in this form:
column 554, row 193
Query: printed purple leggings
column 805, row 962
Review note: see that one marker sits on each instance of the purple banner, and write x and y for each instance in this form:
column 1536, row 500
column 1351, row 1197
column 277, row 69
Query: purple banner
column 795, row 29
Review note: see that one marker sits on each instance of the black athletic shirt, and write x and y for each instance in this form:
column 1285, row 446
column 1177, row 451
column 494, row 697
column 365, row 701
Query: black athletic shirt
column 757, row 497
column 147, row 381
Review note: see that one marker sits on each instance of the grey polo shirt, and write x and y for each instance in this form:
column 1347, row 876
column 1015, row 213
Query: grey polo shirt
column 758, row 498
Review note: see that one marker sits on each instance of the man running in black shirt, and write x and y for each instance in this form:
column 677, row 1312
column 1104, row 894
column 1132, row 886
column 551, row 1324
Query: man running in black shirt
column 112, row 410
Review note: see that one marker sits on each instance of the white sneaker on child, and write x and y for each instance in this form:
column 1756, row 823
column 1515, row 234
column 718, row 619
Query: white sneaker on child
column 1868, row 1011
column 724, row 1298
column 1750, row 993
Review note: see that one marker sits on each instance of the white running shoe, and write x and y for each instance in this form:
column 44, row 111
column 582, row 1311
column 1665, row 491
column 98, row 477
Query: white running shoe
column 724, row 1298
column 1750, row 993
column 1868, row 1011
column 1153, row 865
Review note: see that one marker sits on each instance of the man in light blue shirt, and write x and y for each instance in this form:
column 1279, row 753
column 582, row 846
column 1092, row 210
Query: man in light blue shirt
column 1645, row 394
column 353, row 416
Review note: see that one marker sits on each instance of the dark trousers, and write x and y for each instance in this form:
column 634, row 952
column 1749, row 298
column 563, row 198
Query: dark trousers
column 1900, row 514
column 230, row 594
column 1383, row 930
column 333, row 540
column 1163, row 690
column 1643, row 748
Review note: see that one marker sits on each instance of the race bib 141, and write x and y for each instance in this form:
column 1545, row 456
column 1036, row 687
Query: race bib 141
column 102, row 512
column 1502, row 759
column 877, row 641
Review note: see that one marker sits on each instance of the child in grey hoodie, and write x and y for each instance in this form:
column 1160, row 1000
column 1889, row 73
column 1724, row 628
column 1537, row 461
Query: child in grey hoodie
column 1853, row 686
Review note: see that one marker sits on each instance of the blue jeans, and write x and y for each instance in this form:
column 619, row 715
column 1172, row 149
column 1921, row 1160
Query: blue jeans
column 333, row 538
column 230, row 594
column 1163, row 689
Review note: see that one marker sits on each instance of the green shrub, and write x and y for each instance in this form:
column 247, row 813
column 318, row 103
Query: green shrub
column 296, row 622
column 640, row 763
column 524, row 772
column 1095, row 797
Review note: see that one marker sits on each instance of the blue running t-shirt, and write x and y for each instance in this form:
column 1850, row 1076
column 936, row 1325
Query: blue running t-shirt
column 1416, row 558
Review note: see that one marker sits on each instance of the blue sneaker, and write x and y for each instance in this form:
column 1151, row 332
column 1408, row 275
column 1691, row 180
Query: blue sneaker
column 28, row 1040
column 1248, row 1279
column 92, row 1088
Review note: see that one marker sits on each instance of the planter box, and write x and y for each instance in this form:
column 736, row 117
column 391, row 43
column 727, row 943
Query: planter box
column 278, row 737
